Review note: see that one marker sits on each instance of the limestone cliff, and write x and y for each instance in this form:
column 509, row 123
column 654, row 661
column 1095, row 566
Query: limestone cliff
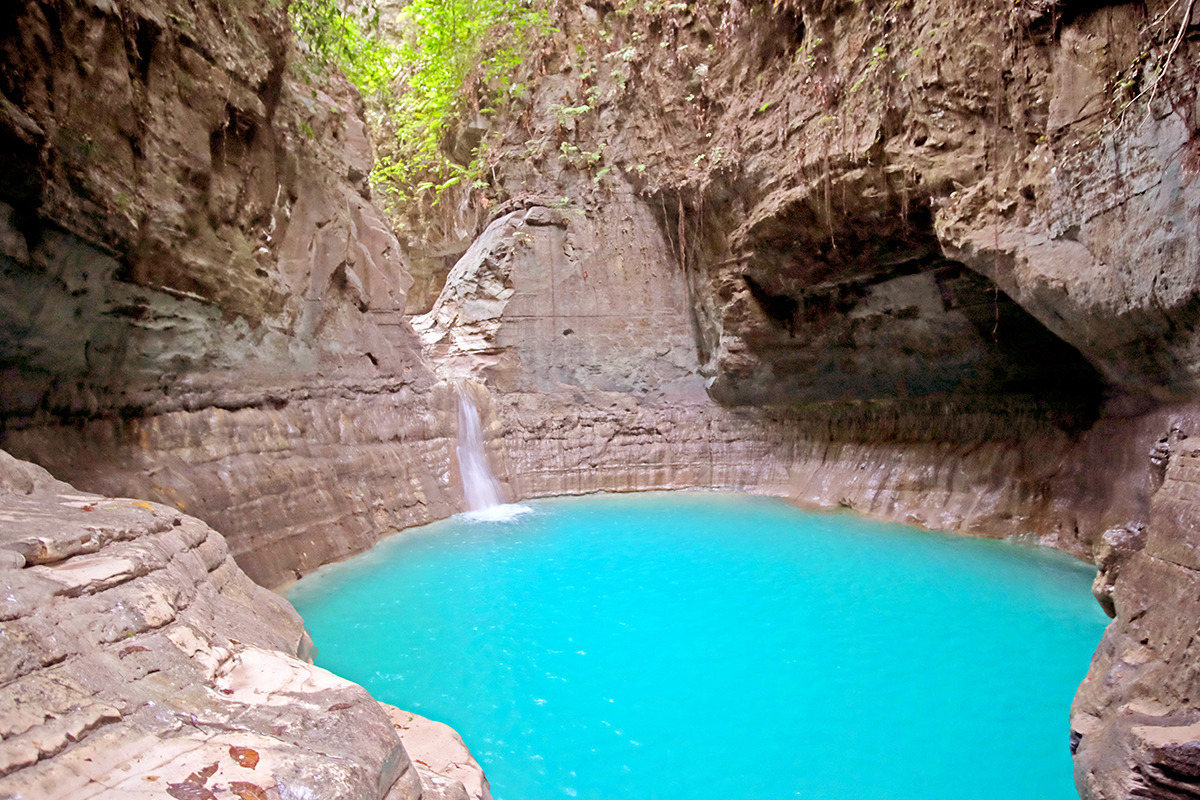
column 201, row 307
column 798, row 204
column 928, row 260
column 195, row 281
column 139, row 659
column 939, row 266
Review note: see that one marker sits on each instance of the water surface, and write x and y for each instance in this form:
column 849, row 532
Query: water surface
column 706, row 645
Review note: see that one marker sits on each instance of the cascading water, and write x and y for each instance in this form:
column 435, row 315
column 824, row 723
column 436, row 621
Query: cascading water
column 485, row 499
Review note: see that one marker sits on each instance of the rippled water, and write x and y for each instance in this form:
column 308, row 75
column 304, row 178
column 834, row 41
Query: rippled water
column 705, row 645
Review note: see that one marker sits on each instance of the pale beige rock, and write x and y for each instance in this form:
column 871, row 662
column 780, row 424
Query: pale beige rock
column 136, row 657
column 447, row 768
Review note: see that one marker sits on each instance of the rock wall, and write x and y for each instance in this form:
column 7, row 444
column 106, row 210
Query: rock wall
column 139, row 658
column 202, row 305
column 589, row 348
column 599, row 387
column 318, row 474
column 938, row 262
column 202, row 308
column 1134, row 720
column 932, row 261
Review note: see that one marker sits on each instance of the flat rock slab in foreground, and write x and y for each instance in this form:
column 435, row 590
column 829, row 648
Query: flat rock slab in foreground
column 136, row 659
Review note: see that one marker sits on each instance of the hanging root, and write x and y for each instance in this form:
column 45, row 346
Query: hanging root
column 682, row 236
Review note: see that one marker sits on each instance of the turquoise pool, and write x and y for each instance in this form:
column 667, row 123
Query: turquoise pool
column 710, row 645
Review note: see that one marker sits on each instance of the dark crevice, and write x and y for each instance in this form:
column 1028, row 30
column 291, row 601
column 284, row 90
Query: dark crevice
column 1068, row 11
column 272, row 89
column 146, row 34
column 779, row 307
column 785, row 38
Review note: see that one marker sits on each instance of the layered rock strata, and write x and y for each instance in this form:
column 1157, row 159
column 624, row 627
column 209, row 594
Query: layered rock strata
column 930, row 262
column 193, row 279
column 318, row 474
column 139, row 660
column 598, row 385
column 202, row 306
column 1136, row 719
column 939, row 265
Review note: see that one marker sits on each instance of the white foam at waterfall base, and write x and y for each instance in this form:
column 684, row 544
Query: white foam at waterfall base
column 485, row 499
column 502, row 513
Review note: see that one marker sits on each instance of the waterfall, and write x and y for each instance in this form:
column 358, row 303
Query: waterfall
column 485, row 499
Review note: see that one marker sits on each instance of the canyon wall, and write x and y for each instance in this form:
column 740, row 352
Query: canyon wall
column 598, row 387
column 139, row 659
column 939, row 266
column 202, row 305
column 929, row 261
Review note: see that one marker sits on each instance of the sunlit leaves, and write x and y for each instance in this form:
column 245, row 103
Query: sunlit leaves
column 456, row 57
column 451, row 59
column 333, row 35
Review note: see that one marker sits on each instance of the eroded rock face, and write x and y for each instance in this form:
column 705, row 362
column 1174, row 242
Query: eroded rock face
column 191, row 269
column 448, row 770
column 139, row 659
column 1107, row 260
column 319, row 474
column 935, row 272
column 894, row 260
column 197, row 222
column 1134, row 720
column 552, row 296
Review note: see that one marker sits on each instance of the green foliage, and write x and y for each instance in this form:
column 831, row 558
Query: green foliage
column 579, row 158
column 626, row 54
column 651, row 6
column 451, row 58
column 563, row 114
column 457, row 57
column 333, row 36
